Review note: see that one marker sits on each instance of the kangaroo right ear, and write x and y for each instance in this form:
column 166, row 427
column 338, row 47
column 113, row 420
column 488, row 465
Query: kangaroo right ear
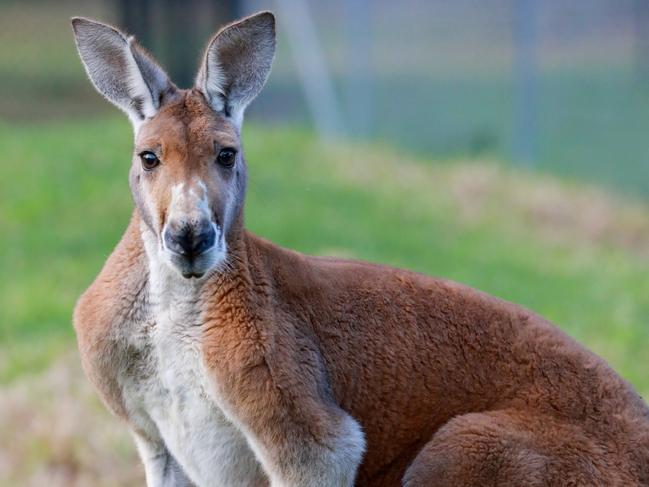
column 237, row 63
column 121, row 70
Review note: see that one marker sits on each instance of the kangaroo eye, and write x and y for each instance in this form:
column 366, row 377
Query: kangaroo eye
column 149, row 160
column 226, row 157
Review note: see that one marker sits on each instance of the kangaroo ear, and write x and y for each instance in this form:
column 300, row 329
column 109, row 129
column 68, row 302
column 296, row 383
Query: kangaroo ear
column 121, row 70
column 237, row 63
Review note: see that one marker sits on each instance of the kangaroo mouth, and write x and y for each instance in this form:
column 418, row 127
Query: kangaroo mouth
column 192, row 275
column 197, row 266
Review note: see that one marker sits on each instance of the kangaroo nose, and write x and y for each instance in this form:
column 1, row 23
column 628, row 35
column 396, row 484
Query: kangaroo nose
column 190, row 240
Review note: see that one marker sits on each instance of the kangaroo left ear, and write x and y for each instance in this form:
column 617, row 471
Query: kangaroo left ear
column 237, row 63
column 121, row 70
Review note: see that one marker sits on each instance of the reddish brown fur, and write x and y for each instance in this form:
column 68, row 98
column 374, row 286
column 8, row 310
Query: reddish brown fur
column 184, row 134
column 452, row 387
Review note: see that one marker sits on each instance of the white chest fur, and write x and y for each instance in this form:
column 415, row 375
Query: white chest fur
column 170, row 399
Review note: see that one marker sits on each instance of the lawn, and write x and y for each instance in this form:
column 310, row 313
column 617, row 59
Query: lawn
column 575, row 254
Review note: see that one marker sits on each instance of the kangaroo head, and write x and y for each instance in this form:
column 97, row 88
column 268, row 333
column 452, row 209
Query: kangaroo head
column 188, row 175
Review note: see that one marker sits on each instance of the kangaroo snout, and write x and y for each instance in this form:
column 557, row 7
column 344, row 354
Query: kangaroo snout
column 189, row 239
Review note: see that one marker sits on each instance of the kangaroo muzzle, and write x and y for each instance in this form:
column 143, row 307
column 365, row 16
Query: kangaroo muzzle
column 190, row 240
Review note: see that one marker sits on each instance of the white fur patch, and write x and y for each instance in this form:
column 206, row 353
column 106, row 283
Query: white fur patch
column 189, row 202
column 138, row 88
column 214, row 81
column 171, row 399
column 309, row 464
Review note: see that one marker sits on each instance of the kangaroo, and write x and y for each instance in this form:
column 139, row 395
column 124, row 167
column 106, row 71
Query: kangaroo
column 236, row 362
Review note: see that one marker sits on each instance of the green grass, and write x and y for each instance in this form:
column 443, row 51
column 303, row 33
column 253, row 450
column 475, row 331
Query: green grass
column 65, row 201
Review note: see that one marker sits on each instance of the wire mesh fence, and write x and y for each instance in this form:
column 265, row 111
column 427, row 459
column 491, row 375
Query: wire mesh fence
column 559, row 86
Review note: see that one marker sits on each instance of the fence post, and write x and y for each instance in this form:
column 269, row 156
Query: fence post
column 314, row 74
column 641, row 40
column 359, row 66
column 525, row 82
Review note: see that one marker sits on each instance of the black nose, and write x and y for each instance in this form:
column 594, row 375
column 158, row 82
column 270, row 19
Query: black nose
column 190, row 240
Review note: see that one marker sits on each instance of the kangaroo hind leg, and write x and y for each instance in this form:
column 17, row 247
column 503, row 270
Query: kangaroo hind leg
column 479, row 449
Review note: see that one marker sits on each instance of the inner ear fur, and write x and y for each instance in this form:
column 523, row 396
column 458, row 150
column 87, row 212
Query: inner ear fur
column 121, row 70
column 237, row 63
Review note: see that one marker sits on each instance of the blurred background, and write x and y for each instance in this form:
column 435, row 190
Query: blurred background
column 500, row 143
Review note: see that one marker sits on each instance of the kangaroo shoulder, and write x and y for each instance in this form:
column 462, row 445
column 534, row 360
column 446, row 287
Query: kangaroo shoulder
column 107, row 312
column 115, row 292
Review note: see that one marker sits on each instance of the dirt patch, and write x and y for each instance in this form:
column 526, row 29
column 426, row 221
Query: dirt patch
column 554, row 210
column 488, row 193
column 55, row 432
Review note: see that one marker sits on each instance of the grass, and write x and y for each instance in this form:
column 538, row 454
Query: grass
column 575, row 254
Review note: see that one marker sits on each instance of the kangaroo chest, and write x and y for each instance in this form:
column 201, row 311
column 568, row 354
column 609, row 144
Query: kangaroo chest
column 167, row 394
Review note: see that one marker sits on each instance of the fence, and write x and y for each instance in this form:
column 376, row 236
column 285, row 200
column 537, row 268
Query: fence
column 559, row 86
